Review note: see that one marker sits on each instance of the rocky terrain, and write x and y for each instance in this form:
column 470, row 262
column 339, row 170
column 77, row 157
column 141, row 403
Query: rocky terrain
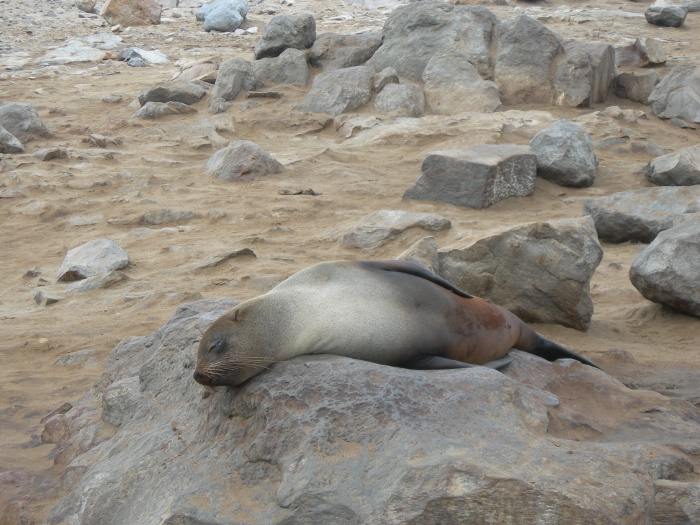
column 97, row 171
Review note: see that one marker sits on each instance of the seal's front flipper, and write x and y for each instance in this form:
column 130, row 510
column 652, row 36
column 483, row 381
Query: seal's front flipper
column 435, row 362
column 416, row 270
column 497, row 364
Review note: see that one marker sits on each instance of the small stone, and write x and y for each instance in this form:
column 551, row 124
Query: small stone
column 54, row 152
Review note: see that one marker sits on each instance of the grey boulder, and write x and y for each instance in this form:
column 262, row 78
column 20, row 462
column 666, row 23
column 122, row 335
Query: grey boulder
column 22, row 121
column 665, row 13
column 242, row 160
column 227, row 16
column 9, row 143
column 678, row 94
column 92, row 258
column 645, row 52
column 340, row 90
column 475, row 177
column 404, row 100
column 285, row 31
column 565, row 155
column 675, row 169
column 541, row 271
column 668, row 270
column 586, row 75
column 155, row 110
column 335, row 51
column 289, row 68
column 240, row 5
column 379, row 227
column 636, row 86
column 234, row 75
column 640, row 215
column 184, row 92
column 453, row 85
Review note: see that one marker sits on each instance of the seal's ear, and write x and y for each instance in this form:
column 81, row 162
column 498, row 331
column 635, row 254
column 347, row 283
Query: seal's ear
column 235, row 315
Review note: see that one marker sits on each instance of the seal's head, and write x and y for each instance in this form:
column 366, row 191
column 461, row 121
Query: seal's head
column 223, row 357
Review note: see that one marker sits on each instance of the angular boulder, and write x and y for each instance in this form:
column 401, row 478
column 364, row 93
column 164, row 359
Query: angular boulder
column 475, row 177
column 453, row 85
column 640, row 215
column 636, row 86
column 678, row 94
column 285, row 31
column 205, row 9
column 340, row 90
column 404, row 100
column 525, row 55
column 586, row 75
column 564, row 152
column 289, row 68
column 155, row 110
column 379, row 227
column 666, row 13
column 675, row 169
column 9, row 143
column 93, row 258
column 234, row 75
column 668, row 270
column 645, row 52
column 22, row 121
column 332, row 440
column 336, row 51
column 541, row 271
column 184, row 92
column 223, row 15
column 416, row 32
column 131, row 12
column 242, row 160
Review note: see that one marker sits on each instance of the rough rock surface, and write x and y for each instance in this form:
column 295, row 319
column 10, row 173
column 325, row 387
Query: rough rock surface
column 541, row 271
column 525, row 54
column 452, row 85
column 678, row 94
column 668, row 270
column 131, row 12
column 423, row 253
column 335, row 51
column 184, row 92
column 234, row 75
column 289, row 68
column 22, row 121
column 332, row 440
column 9, row 143
column 285, row 31
column 51, row 153
column 666, row 13
column 475, row 177
column 242, row 160
column 645, row 52
column 639, row 215
column 565, row 155
column 340, row 90
column 405, row 100
column 92, row 258
column 675, row 169
column 379, row 227
column 636, row 86
column 416, row 32
column 386, row 76
column 586, row 75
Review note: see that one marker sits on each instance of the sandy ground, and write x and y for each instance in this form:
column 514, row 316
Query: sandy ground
column 157, row 166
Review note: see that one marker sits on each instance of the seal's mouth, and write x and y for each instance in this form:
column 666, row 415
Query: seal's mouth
column 203, row 379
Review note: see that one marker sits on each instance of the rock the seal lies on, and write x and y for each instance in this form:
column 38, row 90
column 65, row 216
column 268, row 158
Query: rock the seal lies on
column 242, row 161
column 667, row 271
column 92, row 258
column 475, row 177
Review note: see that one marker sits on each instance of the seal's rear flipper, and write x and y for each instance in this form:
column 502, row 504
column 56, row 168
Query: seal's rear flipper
column 551, row 351
column 435, row 362
column 416, row 270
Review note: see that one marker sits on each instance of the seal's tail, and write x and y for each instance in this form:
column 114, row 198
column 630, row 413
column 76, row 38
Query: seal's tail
column 534, row 343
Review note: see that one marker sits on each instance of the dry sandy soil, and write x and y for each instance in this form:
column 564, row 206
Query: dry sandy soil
column 157, row 166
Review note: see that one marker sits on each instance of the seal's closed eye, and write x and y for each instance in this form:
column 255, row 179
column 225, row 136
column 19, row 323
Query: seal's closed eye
column 216, row 346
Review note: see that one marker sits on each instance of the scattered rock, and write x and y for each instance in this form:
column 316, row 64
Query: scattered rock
column 86, row 220
column 223, row 15
column 340, row 90
column 87, row 6
column 636, row 86
column 131, row 12
column 453, row 85
column 475, row 177
column 416, row 32
column 526, row 53
column 216, row 260
column 677, row 94
column 86, row 358
column 423, row 253
column 347, row 125
column 380, row 227
column 45, row 297
column 242, row 161
column 667, row 271
column 285, row 31
column 405, row 100
column 154, row 110
column 92, row 258
column 96, row 282
column 54, row 152
column 183, row 92
column 9, row 143
column 218, row 105
column 74, row 53
column 388, row 75
column 681, row 123
column 541, row 271
column 565, row 155
column 645, row 52
column 234, row 75
column 666, row 13
column 146, row 56
column 166, row 216
column 290, row 67
column 681, row 168
column 335, row 51
column 639, row 215
column 586, row 75
column 22, row 121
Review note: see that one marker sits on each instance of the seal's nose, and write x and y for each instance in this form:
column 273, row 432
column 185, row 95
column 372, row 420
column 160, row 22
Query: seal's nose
column 201, row 378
